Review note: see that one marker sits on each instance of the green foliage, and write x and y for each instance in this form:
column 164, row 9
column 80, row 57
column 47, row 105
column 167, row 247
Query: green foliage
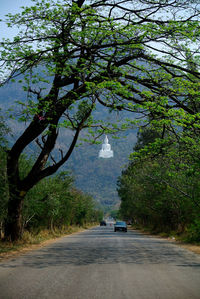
column 3, row 188
column 3, row 131
column 193, row 232
column 54, row 202
column 160, row 188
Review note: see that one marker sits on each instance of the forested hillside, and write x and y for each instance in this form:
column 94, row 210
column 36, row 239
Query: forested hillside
column 98, row 176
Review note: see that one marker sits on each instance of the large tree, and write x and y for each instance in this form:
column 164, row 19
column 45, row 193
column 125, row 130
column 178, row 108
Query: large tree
column 74, row 55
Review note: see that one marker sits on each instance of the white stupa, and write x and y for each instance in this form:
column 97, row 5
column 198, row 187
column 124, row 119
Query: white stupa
column 106, row 151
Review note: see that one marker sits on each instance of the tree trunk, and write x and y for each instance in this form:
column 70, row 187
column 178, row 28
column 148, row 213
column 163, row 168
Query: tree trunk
column 1, row 229
column 13, row 225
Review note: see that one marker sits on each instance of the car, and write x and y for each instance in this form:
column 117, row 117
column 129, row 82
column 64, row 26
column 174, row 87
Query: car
column 103, row 223
column 120, row 226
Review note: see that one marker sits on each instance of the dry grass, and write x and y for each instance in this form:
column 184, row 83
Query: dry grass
column 193, row 248
column 35, row 241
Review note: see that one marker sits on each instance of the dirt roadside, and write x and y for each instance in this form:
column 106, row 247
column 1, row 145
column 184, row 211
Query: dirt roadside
column 193, row 248
column 14, row 253
column 190, row 247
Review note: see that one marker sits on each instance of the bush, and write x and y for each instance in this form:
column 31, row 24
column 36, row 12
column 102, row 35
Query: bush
column 194, row 231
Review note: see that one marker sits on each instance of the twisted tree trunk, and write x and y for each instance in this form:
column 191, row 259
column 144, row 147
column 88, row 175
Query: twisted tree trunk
column 13, row 225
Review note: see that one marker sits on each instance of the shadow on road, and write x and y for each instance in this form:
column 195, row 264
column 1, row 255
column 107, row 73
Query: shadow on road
column 103, row 246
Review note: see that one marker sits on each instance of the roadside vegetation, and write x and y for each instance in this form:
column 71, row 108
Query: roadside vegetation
column 32, row 240
column 160, row 188
column 54, row 207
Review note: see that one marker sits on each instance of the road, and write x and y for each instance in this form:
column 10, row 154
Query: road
column 101, row 264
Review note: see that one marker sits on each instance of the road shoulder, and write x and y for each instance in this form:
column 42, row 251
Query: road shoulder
column 191, row 247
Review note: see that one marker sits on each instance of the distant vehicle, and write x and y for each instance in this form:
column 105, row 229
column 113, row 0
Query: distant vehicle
column 103, row 223
column 120, row 226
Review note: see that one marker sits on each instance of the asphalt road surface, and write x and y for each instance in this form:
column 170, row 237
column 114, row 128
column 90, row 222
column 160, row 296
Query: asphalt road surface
column 101, row 264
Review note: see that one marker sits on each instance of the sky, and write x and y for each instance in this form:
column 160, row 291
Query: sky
column 10, row 6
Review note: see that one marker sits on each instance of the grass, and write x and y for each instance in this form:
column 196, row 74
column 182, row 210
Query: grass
column 29, row 240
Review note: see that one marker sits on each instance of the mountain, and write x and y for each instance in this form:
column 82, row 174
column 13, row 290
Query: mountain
column 98, row 176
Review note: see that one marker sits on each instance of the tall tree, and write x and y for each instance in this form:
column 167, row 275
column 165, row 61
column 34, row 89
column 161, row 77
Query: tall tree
column 3, row 178
column 74, row 55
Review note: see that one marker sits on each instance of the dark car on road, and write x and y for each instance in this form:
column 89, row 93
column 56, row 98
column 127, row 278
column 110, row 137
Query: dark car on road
column 103, row 223
column 120, row 226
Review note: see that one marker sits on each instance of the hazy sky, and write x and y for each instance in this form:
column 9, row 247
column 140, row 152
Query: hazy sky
column 10, row 6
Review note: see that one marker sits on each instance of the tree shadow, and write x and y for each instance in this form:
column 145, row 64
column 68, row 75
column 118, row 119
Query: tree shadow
column 104, row 246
